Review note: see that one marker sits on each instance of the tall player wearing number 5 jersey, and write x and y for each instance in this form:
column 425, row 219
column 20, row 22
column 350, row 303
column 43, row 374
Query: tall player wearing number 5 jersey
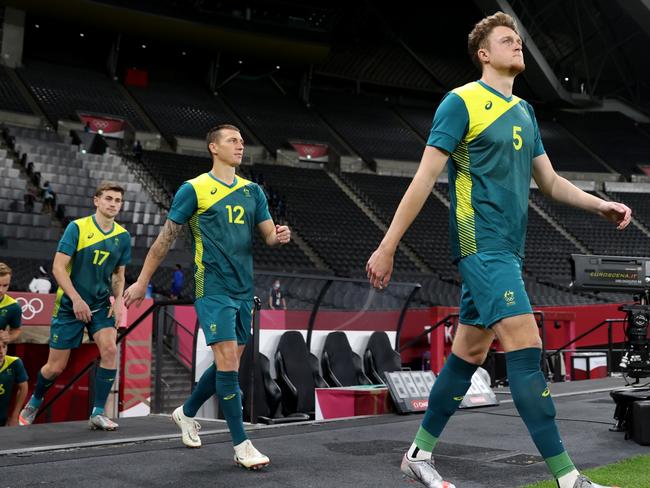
column 490, row 139
column 89, row 266
column 223, row 211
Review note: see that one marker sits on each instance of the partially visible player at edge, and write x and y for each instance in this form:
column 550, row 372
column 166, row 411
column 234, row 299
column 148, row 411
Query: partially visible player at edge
column 10, row 312
column 89, row 264
column 492, row 143
column 223, row 211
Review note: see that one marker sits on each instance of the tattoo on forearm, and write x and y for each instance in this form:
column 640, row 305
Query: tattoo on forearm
column 166, row 238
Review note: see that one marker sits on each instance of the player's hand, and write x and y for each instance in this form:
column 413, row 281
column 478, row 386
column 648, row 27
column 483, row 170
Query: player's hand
column 82, row 311
column 4, row 335
column 282, row 234
column 134, row 294
column 12, row 421
column 616, row 212
column 115, row 310
column 380, row 268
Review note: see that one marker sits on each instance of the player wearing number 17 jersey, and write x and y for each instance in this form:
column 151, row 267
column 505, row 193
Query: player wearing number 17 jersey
column 89, row 266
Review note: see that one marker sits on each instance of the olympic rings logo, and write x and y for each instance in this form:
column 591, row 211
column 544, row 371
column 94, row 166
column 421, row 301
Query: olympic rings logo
column 100, row 124
column 31, row 308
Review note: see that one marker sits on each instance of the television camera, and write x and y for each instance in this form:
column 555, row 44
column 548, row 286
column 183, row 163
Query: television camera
column 621, row 274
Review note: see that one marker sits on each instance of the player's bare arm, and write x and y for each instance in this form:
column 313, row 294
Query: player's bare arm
column 59, row 270
column 117, row 285
column 273, row 234
column 560, row 189
column 380, row 265
column 170, row 231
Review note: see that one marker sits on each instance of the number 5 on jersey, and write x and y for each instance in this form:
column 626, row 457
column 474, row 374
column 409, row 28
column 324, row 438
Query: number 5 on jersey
column 100, row 256
column 235, row 214
column 517, row 141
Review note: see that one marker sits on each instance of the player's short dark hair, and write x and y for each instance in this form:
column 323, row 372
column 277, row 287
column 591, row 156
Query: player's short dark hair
column 5, row 270
column 477, row 39
column 214, row 133
column 108, row 186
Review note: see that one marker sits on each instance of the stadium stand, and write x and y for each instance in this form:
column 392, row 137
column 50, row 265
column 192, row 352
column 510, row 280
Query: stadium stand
column 317, row 204
column 63, row 91
column 369, row 126
column 277, row 117
column 10, row 97
column 612, row 136
column 428, row 236
column 595, row 233
column 183, row 109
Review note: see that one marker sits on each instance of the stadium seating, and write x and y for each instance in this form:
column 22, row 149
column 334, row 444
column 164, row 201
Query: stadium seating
column 428, row 236
column 277, row 118
column 612, row 136
column 370, row 126
column 10, row 97
column 183, row 109
column 317, row 203
column 341, row 366
column 64, row 91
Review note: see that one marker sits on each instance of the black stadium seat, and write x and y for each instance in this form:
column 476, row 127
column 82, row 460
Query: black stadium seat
column 297, row 377
column 341, row 366
column 380, row 357
column 267, row 394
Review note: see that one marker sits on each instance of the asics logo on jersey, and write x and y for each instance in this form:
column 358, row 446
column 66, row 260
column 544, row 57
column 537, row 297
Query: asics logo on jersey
column 458, row 398
column 90, row 236
column 229, row 397
column 546, row 393
column 488, row 105
column 213, row 191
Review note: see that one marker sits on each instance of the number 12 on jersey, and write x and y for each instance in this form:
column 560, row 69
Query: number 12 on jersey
column 235, row 214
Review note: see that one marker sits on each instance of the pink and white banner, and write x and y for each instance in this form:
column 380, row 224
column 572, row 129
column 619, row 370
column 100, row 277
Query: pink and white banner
column 107, row 126
column 311, row 151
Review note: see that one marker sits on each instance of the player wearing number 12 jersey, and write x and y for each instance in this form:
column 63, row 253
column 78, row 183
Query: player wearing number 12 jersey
column 223, row 211
column 89, row 266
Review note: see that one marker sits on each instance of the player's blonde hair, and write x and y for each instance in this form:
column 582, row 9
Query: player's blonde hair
column 108, row 186
column 477, row 39
column 5, row 270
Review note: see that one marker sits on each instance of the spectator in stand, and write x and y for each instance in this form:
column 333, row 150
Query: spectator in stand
column 13, row 205
column 41, row 282
column 177, row 282
column 276, row 297
column 87, row 127
column 49, row 197
column 28, row 200
column 137, row 151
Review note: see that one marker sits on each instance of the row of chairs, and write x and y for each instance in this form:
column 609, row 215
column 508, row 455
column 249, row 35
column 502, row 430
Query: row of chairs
column 290, row 397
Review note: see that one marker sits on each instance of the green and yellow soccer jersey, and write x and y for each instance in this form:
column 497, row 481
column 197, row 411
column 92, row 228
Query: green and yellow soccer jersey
column 10, row 313
column 12, row 372
column 492, row 141
column 95, row 256
column 222, row 220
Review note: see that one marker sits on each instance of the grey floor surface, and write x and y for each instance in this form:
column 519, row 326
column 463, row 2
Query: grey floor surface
column 484, row 447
